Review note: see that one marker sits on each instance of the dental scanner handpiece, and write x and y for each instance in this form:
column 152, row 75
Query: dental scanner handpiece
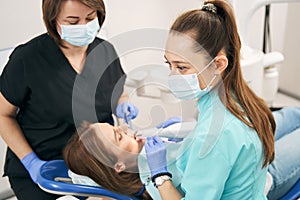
column 173, row 133
column 164, row 139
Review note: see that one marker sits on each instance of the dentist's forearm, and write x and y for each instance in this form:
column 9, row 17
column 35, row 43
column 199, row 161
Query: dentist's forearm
column 124, row 97
column 167, row 191
column 13, row 136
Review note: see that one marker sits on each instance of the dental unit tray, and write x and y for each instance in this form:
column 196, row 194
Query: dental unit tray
column 54, row 179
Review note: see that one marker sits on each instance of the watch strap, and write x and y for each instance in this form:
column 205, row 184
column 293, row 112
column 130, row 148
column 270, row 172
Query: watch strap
column 161, row 174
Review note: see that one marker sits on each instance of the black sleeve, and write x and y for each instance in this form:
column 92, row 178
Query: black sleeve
column 13, row 84
column 119, row 84
column 116, row 76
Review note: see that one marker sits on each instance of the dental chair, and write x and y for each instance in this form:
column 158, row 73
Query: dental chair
column 293, row 193
column 52, row 170
column 54, row 179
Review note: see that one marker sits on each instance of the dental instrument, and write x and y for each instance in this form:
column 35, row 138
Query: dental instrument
column 128, row 119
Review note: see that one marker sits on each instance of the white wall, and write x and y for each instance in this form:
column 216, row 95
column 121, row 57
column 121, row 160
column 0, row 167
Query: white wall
column 290, row 69
column 20, row 21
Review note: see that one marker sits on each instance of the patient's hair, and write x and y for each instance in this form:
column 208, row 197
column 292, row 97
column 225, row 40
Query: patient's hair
column 80, row 161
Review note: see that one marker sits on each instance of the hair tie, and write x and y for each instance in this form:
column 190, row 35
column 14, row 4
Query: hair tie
column 210, row 8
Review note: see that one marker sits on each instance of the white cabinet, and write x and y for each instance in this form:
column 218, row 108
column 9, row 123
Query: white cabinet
column 5, row 190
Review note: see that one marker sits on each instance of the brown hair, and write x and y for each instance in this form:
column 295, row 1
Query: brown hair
column 51, row 9
column 80, row 161
column 215, row 29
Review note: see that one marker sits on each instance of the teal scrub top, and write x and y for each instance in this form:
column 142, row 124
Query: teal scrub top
column 222, row 158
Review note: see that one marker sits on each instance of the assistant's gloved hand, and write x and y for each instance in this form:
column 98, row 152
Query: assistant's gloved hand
column 127, row 111
column 156, row 155
column 170, row 121
column 33, row 165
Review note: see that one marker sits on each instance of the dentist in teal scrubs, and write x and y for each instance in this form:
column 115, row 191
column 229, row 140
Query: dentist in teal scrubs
column 227, row 154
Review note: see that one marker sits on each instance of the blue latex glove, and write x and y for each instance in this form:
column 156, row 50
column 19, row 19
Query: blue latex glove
column 170, row 121
column 33, row 165
column 156, row 155
column 127, row 111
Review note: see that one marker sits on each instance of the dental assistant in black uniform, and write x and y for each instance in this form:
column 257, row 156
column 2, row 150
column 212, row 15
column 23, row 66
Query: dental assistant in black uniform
column 52, row 83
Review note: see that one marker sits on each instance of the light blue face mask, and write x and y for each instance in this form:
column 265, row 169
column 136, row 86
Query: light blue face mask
column 186, row 87
column 80, row 35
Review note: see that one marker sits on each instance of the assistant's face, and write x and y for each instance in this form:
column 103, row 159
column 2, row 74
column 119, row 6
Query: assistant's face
column 73, row 12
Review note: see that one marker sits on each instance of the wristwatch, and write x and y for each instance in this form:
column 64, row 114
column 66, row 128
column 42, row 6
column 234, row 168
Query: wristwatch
column 161, row 179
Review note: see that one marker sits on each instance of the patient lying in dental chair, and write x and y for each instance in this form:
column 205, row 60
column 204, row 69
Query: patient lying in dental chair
column 114, row 158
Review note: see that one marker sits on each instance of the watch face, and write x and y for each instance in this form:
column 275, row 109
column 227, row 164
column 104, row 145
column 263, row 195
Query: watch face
column 161, row 179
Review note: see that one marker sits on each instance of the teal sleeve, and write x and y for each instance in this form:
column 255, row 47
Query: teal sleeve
column 231, row 170
column 204, row 177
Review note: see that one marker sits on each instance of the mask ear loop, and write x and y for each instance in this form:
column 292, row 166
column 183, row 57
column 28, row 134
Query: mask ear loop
column 212, row 80
column 215, row 74
column 206, row 66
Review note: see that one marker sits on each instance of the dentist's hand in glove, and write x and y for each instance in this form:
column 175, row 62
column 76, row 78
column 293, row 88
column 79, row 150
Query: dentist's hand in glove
column 127, row 111
column 33, row 165
column 156, row 155
column 170, row 121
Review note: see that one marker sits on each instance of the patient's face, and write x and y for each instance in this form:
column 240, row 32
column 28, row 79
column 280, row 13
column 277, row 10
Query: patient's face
column 120, row 137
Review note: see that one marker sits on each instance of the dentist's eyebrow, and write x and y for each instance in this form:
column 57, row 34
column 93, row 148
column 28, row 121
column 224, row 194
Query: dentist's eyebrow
column 72, row 17
column 76, row 17
column 176, row 61
column 91, row 13
column 180, row 62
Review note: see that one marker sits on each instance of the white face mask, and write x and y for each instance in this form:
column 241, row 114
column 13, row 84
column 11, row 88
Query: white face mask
column 186, row 87
column 80, row 35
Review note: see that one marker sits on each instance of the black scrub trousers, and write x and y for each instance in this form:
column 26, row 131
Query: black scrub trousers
column 53, row 99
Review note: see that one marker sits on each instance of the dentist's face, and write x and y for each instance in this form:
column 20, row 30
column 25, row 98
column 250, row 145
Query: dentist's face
column 182, row 59
column 73, row 12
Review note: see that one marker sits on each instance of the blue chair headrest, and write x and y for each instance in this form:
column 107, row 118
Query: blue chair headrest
column 57, row 168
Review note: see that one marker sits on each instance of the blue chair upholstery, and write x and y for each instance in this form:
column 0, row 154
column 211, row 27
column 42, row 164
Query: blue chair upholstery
column 293, row 193
column 57, row 168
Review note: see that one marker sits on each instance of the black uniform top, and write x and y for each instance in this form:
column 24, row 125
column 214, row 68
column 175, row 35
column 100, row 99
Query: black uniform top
column 53, row 99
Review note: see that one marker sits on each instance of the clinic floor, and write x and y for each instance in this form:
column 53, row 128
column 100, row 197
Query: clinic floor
column 281, row 101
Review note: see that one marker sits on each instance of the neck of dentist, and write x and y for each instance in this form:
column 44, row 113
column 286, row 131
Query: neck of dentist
column 76, row 55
